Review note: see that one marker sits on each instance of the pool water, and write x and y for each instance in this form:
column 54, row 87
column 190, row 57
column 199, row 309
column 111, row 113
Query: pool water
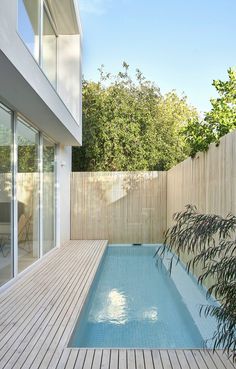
column 134, row 303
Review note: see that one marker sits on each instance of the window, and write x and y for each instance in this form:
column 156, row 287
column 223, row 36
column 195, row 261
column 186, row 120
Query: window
column 27, row 220
column 28, row 25
column 49, row 49
column 27, row 170
column 6, row 218
column 48, row 214
column 36, row 28
column 27, row 194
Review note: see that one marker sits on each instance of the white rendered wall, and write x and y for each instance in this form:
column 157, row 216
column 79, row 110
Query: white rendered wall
column 25, row 88
column 69, row 73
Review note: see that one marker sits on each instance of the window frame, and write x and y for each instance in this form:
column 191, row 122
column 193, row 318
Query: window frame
column 15, row 117
column 42, row 5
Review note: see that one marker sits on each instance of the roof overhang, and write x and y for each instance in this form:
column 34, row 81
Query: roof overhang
column 66, row 16
column 64, row 13
column 19, row 95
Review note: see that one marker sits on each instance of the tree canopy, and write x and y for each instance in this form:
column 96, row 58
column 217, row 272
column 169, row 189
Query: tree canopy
column 129, row 125
column 220, row 120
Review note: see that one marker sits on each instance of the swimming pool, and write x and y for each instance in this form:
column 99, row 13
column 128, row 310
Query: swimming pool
column 132, row 303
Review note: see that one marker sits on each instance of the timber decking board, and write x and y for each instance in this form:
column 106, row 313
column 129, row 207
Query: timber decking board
column 30, row 316
column 38, row 313
column 34, row 326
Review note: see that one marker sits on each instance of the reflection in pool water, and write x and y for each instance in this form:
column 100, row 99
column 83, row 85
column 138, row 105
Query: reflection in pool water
column 114, row 310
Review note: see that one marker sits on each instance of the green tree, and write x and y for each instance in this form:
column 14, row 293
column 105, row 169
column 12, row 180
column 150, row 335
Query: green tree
column 219, row 121
column 129, row 125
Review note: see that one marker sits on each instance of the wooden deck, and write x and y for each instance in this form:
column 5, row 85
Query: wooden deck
column 38, row 313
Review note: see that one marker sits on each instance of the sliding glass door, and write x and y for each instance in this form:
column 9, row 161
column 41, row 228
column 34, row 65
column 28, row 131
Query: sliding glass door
column 27, row 194
column 48, row 184
column 6, row 259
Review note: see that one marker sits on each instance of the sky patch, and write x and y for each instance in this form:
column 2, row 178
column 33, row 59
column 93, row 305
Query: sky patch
column 97, row 7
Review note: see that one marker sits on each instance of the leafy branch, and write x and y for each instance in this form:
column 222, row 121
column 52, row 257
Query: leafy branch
column 209, row 241
column 220, row 120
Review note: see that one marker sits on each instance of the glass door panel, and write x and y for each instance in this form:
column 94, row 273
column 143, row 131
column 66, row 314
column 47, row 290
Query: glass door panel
column 27, row 194
column 6, row 264
column 48, row 195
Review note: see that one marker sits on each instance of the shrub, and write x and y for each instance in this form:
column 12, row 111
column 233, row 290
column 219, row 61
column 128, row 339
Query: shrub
column 210, row 242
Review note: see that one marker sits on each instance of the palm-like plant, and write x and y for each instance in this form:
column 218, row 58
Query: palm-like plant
column 210, row 242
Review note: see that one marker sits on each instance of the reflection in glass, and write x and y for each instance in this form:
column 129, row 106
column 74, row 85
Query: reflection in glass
column 49, row 50
column 5, row 195
column 48, row 195
column 28, row 25
column 27, row 195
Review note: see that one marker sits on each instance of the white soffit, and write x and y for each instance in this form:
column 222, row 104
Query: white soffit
column 64, row 15
column 16, row 93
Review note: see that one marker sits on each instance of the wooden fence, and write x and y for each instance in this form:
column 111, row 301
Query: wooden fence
column 123, row 207
column 207, row 181
column 129, row 207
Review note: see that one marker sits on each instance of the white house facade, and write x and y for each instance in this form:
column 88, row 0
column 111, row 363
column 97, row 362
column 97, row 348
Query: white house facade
column 40, row 119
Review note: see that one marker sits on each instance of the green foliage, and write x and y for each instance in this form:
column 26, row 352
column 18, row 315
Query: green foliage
column 48, row 159
column 219, row 121
column 5, row 145
column 5, row 159
column 210, row 242
column 27, row 159
column 129, row 125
